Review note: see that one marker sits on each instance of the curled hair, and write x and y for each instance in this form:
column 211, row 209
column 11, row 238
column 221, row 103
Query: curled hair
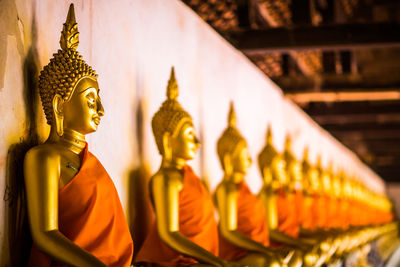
column 60, row 76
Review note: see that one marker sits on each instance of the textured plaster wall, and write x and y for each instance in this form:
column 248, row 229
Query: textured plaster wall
column 132, row 44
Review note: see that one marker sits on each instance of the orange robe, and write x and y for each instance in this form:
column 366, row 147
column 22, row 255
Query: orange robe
column 287, row 217
column 333, row 212
column 343, row 214
column 251, row 222
column 321, row 212
column 90, row 215
column 196, row 222
column 300, row 209
column 355, row 213
column 308, row 218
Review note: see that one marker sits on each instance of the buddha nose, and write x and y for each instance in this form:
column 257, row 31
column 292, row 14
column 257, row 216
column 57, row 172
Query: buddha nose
column 100, row 108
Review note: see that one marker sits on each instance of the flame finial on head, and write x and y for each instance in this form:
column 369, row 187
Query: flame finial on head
column 172, row 88
column 288, row 142
column 232, row 116
column 269, row 134
column 70, row 35
column 319, row 162
column 306, row 153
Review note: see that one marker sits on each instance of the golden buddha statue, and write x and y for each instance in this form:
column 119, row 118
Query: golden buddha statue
column 71, row 199
column 324, row 208
column 336, row 201
column 293, row 168
column 311, row 191
column 347, row 197
column 324, row 186
column 330, row 192
column 243, row 226
column 275, row 193
column 276, row 196
column 185, row 232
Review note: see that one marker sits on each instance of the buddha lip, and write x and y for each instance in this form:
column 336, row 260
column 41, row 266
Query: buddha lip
column 96, row 120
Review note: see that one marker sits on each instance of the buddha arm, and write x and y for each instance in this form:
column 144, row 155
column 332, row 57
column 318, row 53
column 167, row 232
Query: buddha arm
column 268, row 198
column 166, row 202
column 227, row 205
column 42, row 173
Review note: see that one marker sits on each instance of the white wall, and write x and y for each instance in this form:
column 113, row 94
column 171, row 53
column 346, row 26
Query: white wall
column 132, row 44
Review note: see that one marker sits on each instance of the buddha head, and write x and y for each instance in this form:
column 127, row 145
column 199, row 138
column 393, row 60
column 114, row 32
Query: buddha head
column 271, row 163
column 232, row 150
column 309, row 172
column 293, row 166
column 173, row 127
column 68, row 86
column 315, row 183
column 337, row 184
column 326, row 179
column 347, row 187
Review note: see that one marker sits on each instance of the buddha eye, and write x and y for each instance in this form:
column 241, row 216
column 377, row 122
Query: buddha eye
column 91, row 100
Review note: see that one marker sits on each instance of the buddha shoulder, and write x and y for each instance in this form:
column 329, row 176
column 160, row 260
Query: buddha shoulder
column 42, row 151
column 225, row 190
column 168, row 177
column 227, row 187
column 45, row 154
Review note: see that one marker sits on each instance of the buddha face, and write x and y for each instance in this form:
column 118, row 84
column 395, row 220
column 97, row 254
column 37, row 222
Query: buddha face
column 279, row 174
column 241, row 160
column 326, row 182
column 185, row 144
column 83, row 111
column 336, row 186
column 314, row 180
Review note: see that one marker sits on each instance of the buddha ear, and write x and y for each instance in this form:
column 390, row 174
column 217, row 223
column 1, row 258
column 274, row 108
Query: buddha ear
column 167, row 146
column 58, row 108
column 265, row 171
column 228, row 164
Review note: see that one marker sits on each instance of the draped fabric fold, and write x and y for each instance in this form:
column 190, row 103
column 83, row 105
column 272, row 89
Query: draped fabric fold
column 287, row 215
column 90, row 215
column 251, row 222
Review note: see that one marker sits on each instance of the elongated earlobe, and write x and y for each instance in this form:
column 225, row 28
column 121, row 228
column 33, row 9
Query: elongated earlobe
column 228, row 164
column 58, row 103
column 167, row 146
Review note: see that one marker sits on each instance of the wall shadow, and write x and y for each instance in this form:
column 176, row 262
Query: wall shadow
column 141, row 215
column 140, row 211
column 17, row 225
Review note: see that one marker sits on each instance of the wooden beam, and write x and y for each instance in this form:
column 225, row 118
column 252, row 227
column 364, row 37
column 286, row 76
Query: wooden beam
column 357, row 118
column 366, row 134
column 347, row 128
column 304, row 98
column 350, row 108
column 338, row 82
column 333, row 37
column 379, row 147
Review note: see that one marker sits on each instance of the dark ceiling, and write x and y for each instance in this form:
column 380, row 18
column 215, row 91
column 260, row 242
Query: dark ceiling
column 338, row 60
